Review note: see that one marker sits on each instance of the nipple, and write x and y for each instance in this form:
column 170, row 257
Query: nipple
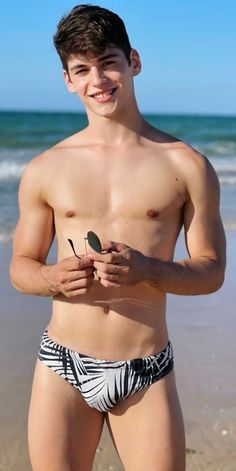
column 152, row 213
column 70, row 214
column 106, row 309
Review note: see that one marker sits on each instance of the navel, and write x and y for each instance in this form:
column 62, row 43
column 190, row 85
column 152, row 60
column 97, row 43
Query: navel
column 152, row 213
column 106, row 309
column 70, row 214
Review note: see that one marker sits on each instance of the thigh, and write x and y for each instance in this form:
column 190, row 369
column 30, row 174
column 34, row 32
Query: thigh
column 147, row 428
column 63, row 430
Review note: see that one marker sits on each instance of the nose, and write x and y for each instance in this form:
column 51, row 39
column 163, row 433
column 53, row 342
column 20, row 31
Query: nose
column 97, row 76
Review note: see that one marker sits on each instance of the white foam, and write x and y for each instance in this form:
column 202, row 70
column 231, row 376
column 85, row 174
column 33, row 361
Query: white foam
column 11, row 170
column 228, row 180
column 224, row 165
column 225, row 169
column 6, row 236
column 230, row 224
column 216, row 148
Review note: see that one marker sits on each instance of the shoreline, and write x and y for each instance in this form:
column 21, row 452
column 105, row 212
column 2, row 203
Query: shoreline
column 201, row 329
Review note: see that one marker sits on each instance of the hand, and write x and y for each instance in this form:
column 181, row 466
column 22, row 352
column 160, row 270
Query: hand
column 122, row 266
column 72, row 276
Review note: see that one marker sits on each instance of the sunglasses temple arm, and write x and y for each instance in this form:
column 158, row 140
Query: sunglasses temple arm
column 85, row 243
column 72, row 246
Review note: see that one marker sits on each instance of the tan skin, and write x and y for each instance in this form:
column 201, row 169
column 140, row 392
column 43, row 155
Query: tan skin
column 135, row 187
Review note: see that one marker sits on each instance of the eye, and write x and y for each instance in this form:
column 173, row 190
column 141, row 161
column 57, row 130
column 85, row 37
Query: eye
column 107, row 63
column 81, row 71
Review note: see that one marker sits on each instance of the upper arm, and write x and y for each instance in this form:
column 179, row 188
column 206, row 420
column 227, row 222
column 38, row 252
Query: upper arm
column 35, row 229
column 204, row 231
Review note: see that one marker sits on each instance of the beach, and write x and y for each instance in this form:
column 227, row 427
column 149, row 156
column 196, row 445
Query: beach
column 202, row 331
column 201, row 328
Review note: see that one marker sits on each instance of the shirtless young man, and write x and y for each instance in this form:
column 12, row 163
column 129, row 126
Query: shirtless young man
column 135, row 187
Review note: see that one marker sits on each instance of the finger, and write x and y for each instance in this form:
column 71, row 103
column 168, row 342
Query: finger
column 80, row 274
column 110, row 268
column 77, row 292
column 113, row 258
column 82, row 283
column 84, row 262
column 108, row 277
column 110, row 284
column 74, row 263
column 78, row 284
column 114, row 246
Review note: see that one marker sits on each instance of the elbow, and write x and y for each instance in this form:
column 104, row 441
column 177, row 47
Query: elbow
column 220, row 281
column 216, row 275
column 14, row 279
column 217, row 281
column 17, row 287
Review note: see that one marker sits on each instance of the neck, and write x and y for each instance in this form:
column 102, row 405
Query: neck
column 122, row 128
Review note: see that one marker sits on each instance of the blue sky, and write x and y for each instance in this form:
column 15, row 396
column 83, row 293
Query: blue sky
column 187, row 50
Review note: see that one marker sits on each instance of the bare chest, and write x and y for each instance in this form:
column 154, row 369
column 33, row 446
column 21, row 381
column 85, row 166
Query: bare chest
column 120, row 189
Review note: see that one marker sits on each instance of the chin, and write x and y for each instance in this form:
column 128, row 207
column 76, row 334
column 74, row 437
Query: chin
column 105, row 113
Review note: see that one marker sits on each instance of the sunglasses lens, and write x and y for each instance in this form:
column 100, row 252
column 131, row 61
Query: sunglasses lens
column 94, row 241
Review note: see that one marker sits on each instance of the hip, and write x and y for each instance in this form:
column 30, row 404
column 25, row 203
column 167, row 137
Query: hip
column 121, row 333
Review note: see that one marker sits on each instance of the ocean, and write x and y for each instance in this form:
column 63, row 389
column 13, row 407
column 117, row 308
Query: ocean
column 25, row 134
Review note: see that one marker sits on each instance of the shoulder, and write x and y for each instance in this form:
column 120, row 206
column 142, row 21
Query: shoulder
column 188, row 162
column 40, row 169
column 179, row 154
column 194, row 167
column 36, row 171
column 46, row 164
column 190, row 167
column 174, row 148
column 195, row 172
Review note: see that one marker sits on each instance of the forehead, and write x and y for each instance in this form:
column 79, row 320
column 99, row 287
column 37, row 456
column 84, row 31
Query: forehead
column 109, row 52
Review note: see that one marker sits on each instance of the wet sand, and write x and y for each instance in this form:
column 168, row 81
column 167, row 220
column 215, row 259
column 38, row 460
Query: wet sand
column 202, row 331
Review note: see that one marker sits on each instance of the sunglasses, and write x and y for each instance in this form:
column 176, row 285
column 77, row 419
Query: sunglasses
column 93, row 242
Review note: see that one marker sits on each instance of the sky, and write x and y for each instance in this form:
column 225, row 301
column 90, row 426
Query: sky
column 187, row 50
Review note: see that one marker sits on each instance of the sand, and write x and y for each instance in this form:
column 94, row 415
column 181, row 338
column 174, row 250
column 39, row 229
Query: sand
column 202, row 331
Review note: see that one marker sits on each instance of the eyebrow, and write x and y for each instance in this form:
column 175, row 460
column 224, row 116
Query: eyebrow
column 100, row 59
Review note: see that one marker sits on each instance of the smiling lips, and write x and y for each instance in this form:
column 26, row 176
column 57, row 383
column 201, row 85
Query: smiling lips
column 104, row 96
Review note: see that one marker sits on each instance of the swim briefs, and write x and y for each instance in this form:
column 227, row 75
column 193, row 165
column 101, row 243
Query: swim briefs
column 104, row 383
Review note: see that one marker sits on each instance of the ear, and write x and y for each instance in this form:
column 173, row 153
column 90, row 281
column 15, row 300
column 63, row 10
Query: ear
column 135, row 62
column 69, row 84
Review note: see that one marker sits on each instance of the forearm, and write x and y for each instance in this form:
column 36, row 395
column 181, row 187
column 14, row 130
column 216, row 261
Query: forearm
column 186, row 277
column 32, row 277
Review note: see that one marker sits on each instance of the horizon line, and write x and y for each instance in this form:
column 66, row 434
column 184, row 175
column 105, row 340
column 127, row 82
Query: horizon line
column 149, row 113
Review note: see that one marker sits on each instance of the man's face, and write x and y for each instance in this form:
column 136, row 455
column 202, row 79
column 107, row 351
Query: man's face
column 103, row 83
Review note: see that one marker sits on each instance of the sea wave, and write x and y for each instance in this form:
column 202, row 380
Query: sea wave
column 11, row 170
column 227, row 149
column 218, row 149
column 6, row 237
column 227, row 180
column 225, row 169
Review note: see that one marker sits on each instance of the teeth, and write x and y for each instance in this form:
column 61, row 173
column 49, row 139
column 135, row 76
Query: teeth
column 103, row 94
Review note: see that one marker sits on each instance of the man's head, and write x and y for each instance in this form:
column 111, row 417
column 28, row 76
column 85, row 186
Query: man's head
column 89, row 30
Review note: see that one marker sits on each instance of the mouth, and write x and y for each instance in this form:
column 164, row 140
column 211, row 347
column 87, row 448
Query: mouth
column 104, row 94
